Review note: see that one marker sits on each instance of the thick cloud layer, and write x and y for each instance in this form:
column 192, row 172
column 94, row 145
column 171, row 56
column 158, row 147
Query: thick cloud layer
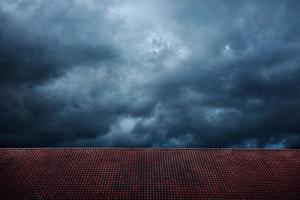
column 156, row 73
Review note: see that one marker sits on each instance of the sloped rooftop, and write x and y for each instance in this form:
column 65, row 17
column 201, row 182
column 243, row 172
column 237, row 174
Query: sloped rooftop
column 108, row 173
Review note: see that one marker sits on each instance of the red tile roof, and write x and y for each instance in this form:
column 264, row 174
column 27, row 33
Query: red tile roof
column 149, row 174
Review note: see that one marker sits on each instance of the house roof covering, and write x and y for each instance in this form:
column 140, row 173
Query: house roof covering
column 112, row 173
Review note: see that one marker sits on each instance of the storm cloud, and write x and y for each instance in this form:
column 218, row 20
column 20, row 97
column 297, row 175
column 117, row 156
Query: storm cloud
column 156, row 73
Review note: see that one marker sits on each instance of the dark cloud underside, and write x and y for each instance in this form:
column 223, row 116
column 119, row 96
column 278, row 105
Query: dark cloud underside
column 150, row 73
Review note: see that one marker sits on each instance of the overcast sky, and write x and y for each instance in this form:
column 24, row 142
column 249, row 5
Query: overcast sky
column 150, row 73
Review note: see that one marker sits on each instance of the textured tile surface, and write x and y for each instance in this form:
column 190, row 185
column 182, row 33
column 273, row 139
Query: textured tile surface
column 149, row 174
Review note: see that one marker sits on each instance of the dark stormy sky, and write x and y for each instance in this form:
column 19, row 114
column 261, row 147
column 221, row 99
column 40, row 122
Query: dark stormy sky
column 150, row 73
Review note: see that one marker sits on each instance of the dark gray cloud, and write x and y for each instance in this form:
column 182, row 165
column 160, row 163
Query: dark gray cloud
column 150, row 73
